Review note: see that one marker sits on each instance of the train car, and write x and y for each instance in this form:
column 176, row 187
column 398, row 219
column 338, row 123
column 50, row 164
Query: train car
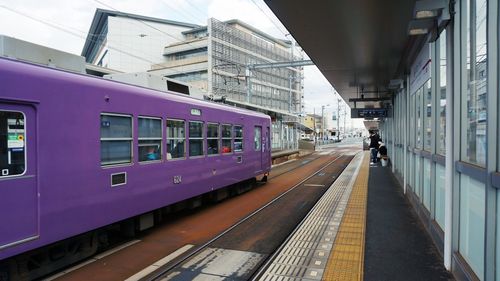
column 79, row 152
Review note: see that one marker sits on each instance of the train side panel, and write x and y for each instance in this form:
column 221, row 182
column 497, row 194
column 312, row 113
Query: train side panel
column 69, row 191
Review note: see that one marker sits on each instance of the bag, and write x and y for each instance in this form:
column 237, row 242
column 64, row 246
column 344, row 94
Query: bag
column 378, row 155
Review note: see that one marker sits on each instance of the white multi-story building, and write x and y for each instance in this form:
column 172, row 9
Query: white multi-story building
column 130, row 43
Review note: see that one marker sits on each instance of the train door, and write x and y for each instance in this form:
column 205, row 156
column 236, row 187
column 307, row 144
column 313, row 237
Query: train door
column 18, row 170
column 257, row 139
column 266, row 149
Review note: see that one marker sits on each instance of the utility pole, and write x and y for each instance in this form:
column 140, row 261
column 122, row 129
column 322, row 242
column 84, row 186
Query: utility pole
column 314, row 125
column 322, row 122
column 338, row 119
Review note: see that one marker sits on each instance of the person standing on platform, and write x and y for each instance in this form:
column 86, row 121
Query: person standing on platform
column 374, row 139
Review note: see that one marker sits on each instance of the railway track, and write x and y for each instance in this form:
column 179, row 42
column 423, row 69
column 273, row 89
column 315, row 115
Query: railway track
column 252, row 251
column 177, row 228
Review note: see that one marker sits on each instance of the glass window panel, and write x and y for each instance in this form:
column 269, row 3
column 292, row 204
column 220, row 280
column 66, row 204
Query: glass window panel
column 175, row 129
column 149, row 150
column 440, row 193
column 472, row 223
column 116, row 126
column 12, row 144
column 226, row 131
column 115, row 152
column 257, row 138
column 498, row 235
column 212, row 139
column 238, row 131
column 226, row 146
column 149, row 128
column 176, row 148
column 116, row 139
column 150, row 139
column 441, row 138
column 412, row 121
column 427, row 95
column 212, row 146
column 195, row 147
column 212, row 130
column 238, row 138
column 418, row 117
column 195, row 129
column 427, row 184
column 476, row 72
column 418, row 175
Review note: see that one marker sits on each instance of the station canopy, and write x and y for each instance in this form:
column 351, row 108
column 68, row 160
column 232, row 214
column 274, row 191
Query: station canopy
column 358, row 45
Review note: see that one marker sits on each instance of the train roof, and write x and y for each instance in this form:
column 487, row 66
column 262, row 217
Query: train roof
column 86, row 79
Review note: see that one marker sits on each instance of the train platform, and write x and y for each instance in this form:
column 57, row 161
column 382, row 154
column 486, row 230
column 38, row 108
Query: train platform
column 363, row 228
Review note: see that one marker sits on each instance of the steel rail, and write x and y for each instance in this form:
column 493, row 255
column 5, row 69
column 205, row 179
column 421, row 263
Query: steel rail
column 161, row 272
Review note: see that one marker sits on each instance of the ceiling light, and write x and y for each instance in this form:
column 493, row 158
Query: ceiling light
column 428, row 8
column 421, row 26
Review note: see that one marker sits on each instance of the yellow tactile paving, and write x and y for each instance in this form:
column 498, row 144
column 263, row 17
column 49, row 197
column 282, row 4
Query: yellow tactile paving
column 346, row 259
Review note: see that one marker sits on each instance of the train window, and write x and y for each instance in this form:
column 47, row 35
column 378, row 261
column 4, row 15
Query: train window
column 176, row 139
column 116, row 139
column 238, row 138
column 257, row 138
column 150, row 139
column 195, row 138
column 12, row 143
column 212, row 139
column 226, row 138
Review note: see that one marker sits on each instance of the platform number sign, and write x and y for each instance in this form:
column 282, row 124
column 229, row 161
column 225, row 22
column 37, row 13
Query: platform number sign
column 177, row 179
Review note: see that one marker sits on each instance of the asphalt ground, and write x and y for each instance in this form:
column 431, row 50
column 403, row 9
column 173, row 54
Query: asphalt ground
column 397, row 245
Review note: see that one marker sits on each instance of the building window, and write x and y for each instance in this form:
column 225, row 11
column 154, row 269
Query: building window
column 12, row 143
column 238, row 138
column 257, row 138
column 150, row 139
column 116, row 139
column 176, row 139
column 476, row 63
column 441, row 136
column 195, row 138
column 226, row 138
column 212, row 139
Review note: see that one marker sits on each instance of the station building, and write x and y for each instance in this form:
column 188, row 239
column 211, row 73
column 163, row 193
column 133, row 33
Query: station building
column 428, row 72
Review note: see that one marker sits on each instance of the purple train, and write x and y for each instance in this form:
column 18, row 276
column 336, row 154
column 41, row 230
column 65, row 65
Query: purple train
column 78, row 152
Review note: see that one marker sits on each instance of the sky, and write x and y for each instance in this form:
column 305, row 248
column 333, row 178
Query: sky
column 63, row 25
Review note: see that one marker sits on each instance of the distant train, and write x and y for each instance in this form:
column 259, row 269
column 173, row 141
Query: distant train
column 79, row 152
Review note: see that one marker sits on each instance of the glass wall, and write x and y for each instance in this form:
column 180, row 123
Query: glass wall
column 418, row 117
column 418, row 176
column 476, row 78
column 427, row 184
column 498, row 235
column 427, row 96
column 440, row 192
column 441, row 134
column 472, row 218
